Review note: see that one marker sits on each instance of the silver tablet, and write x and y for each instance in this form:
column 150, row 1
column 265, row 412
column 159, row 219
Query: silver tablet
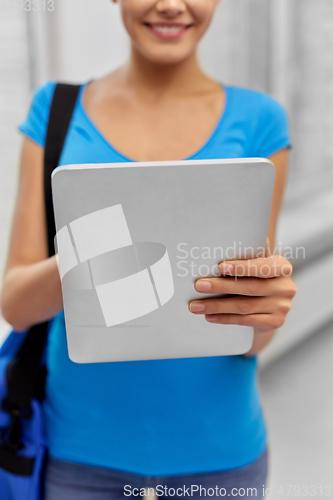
column 132, row 238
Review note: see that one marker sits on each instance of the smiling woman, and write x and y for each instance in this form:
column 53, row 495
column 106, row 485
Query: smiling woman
column 146, row 423
column 148, row 22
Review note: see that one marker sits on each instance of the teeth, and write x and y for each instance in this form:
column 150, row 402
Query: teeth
column 168, row 29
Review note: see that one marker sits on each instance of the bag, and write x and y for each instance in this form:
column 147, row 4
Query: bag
column 22, row 356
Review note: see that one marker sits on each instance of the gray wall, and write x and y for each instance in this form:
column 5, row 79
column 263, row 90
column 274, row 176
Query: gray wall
column 14, row 91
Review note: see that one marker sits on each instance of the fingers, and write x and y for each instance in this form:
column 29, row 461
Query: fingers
column 250, row 300
column 245, row 286
column 261, row 322
column 268, row 267
column 232, row 305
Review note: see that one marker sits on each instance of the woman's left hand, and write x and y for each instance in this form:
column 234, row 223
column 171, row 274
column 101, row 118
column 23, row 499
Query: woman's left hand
column 262, row 292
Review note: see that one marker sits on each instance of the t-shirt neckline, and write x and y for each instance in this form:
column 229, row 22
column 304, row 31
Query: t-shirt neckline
column 210, row 139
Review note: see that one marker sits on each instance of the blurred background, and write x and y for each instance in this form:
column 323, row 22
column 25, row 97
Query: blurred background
column 285, row 48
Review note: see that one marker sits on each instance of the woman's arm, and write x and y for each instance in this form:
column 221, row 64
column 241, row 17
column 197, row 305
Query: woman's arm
column 263, row 290
column 31, row 291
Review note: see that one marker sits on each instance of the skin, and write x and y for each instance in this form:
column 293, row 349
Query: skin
column 168, row 107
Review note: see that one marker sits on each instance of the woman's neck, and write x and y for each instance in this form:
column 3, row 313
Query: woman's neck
column 152, row 79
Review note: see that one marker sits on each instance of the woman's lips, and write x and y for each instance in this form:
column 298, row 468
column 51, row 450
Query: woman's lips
column 167, row 31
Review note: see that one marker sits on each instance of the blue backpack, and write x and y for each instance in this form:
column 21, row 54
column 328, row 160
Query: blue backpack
column 22, row 356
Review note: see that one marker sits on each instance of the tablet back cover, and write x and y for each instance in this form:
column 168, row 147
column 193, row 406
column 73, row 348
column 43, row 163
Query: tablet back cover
column 132, row 238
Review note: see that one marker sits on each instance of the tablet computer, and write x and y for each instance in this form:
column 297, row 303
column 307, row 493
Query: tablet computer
column 132, row 238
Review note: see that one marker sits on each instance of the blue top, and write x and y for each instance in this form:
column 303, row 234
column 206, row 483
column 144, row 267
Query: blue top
column 158, row 417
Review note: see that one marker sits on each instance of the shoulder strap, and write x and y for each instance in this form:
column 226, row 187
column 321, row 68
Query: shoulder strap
column 22, row 371
column 64, row 99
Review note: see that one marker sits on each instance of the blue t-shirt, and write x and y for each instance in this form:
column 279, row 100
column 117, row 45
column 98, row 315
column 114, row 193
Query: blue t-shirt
column 158, row 417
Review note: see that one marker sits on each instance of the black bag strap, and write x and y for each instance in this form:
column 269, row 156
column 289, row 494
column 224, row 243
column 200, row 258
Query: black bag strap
column 23, row 370
column 63, row 103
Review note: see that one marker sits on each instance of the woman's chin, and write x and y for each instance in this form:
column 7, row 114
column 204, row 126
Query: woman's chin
column 168, row 56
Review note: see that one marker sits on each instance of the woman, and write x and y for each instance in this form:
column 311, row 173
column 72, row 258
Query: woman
column 114, row 428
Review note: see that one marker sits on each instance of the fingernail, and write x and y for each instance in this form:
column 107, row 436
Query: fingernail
column 212, row 317
column 203, row 285
column 196, row 307
column 225, row 268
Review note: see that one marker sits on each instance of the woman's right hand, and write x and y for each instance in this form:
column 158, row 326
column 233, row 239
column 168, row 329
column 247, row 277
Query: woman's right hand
column 31, row 291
